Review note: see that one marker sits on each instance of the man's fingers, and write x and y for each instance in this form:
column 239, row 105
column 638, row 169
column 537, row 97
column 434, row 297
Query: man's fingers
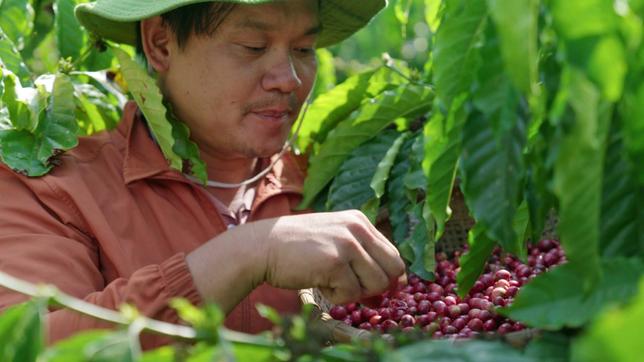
column 344, row 286
column 381, row 250
column 371, row 276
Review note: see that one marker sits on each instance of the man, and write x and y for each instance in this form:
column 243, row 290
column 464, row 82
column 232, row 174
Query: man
column 114, row 224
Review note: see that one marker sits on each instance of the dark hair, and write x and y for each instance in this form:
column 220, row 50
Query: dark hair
column 195, row 19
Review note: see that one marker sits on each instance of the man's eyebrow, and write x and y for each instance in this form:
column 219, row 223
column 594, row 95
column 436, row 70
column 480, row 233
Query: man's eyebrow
column 266, row 27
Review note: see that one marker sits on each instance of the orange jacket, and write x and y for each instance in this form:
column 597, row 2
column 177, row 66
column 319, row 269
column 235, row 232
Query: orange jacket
column 112, row 224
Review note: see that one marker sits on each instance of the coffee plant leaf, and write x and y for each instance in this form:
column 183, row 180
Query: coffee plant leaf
column 21, row 332
column 615, row 335
column 433, row 14
column 10, row 58
column 549, row 346
column 491, row 168
column 95, row 110
column 58, row 130
column 23, row 104
column 375, row 114
column 69, row 34
column 332, row 107
column 383, row 170
column 456, row 54
column 398, row 203
column 621, row 213
column 17, row 20
column 19, row 149
column 447, row 350
column 557, row 299
column 579, row 188
column 634, row 127
column 187, row 149
column 149, row 99
column 419, row 246
column 442, row 150
column 350, row 188
column 473, row 262
column 73, row 349
column 415, row 179
column 516, row 23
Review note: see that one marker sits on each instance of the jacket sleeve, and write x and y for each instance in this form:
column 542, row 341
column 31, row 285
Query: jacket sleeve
column 36, row 246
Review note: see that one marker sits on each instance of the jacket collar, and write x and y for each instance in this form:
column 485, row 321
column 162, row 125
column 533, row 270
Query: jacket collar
column 144, row 160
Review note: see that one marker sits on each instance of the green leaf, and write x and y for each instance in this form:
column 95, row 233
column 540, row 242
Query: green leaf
column 336, row 105
column 21, row 332
column 206, row 320
column 95, row 110
column 578, row 180
column 187, row 149
column 73, row 349
column 516, row 24
column 11, row 59
column 398, row 202
column 549, row 346
column 19, row 151
column 381, row 175
column 350, row 188
column 69, row 35
column 615, row 335
column 473, row 261
column 621, row 214
column 432, row 13
column 492, row 169
column 326, row 78
column 57, row 132
column 269, row 313
column 557, row 299
column 407, row 101
column 582, row 18
column 401, row 10
column 149, row 99
column 448, row 351
column 442, row 150
column 23, row 104
column 418, row 248
column 163, row 354
column 456, row 56
column 16, row 20
column 634, row 128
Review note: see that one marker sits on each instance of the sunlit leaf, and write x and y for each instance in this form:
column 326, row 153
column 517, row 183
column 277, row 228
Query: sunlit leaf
column 11, row 58
column 21, row 332
column 442, row 150
column 16, row 20
column 516, row 24
column 614, row 335
column 407, row 101
column 331, row 107
column 398, row 201
column 58, row 129
column 69, row 34
column 148, row 97
column 381, row 175
column 557, row 299
column 456, row 56
column 432, row 13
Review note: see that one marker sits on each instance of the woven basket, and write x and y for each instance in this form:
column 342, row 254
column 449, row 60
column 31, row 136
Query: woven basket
column 454, row 237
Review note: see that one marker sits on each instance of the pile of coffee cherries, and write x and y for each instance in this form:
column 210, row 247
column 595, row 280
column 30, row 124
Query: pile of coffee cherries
column 435, row 308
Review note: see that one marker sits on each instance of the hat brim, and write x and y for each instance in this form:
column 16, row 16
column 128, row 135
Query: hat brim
column 116, row 20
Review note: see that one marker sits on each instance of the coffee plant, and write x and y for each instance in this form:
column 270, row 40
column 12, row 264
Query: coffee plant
column 533, row 110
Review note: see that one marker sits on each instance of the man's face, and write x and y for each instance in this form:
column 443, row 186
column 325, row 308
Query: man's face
column 241, row 90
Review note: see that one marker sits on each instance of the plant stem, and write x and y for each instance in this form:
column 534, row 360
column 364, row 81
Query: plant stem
column 146, row 324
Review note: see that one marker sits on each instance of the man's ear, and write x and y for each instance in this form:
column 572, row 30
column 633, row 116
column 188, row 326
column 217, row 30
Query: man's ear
column 156, row 39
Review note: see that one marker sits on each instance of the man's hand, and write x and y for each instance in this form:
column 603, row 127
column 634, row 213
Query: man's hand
column 340, row 253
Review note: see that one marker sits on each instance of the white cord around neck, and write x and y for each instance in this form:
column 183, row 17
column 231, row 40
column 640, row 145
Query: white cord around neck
column 264, row 172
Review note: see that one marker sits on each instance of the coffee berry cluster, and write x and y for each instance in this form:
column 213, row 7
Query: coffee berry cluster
column 435, row 308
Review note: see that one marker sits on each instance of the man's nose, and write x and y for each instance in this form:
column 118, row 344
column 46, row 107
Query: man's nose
column 282, row 76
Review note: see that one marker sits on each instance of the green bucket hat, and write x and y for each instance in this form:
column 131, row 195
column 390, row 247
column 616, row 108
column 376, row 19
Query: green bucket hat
column 116, row 19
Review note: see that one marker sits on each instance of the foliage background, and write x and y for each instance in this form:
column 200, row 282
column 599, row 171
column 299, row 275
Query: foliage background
column 535, row 105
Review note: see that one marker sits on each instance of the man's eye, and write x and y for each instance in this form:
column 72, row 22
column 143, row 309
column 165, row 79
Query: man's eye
column 255, row 49
column 305, row 51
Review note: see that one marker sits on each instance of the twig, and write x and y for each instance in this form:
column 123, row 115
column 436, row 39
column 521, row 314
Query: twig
column 146, row 324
